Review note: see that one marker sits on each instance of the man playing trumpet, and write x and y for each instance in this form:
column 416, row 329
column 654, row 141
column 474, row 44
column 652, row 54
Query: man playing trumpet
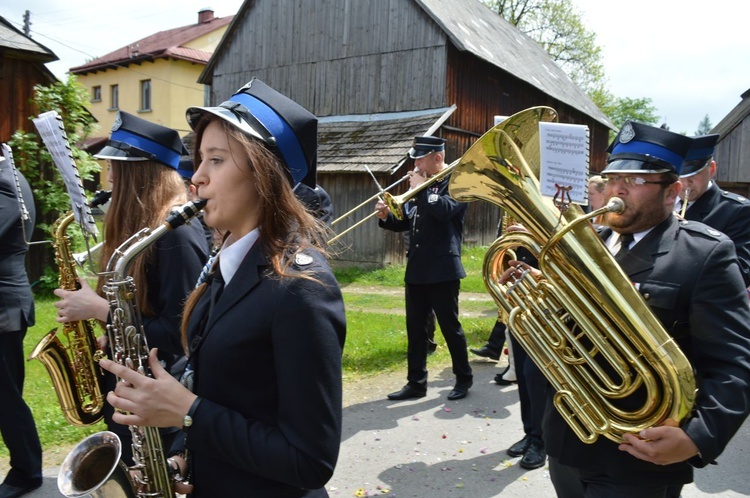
column 433, row 268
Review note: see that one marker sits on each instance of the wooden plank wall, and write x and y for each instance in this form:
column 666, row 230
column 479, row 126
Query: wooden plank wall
column 338, row 57
column 733, row 157
column 482, row 91
column 368, row 244
column 17, row 80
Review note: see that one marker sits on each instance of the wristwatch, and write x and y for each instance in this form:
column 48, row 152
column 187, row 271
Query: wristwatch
column 187, row 420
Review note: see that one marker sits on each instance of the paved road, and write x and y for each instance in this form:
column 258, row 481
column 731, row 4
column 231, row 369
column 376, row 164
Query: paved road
column 434, row 448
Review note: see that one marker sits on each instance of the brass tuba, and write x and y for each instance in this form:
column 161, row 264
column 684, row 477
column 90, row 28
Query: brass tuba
column 614, row 368
column 71, row 363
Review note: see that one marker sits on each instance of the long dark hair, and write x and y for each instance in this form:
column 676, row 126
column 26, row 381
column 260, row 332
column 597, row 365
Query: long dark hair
column 143, row 194
column 286, row 227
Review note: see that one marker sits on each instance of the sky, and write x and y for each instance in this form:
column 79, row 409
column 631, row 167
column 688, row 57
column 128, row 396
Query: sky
column 691, row 58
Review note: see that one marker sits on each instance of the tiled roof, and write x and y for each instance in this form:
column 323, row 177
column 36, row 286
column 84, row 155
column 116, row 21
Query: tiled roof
column 378, row 141
column 163, row 44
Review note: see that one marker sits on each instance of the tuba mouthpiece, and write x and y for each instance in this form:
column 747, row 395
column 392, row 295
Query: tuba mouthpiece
column 615, row 205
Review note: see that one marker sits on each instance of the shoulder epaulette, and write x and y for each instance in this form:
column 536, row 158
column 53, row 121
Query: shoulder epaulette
column 701, row 228
column 735, row 197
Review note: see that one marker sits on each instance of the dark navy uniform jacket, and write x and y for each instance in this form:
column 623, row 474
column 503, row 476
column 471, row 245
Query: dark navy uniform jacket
column 689, row 275
column 16, row 300
column 268, row 371
column 728, row 213
column 436, row 224
column 172, row 269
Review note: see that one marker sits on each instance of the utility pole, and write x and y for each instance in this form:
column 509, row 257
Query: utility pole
column 27, row 23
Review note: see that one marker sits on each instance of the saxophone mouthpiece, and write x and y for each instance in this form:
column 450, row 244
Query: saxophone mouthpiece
column 185, row 213
column 615, row 205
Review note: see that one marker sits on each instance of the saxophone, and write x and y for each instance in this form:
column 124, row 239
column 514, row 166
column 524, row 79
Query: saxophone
column 93, row 467
column 72, row 364
column 614, row 367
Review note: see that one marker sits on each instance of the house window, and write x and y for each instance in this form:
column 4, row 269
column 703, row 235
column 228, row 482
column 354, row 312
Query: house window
column 114, row 97
column 145, row 95
column 96, row 94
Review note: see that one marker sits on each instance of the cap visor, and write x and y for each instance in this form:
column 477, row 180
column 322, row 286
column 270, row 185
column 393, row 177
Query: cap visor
column 195, row 113
column 635, row 166
column 109, row 152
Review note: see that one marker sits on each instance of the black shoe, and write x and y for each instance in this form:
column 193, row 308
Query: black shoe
column 460, row 390
column 503, row 382
column 8, row 491
column 408, row 392
column 534, row 457
column 520, row 447
column 486, row 352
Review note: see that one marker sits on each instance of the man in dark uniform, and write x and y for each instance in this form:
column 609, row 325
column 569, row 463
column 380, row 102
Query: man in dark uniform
column 727, row 212
column 16, row 315
column 433, row 269
column 690, row 277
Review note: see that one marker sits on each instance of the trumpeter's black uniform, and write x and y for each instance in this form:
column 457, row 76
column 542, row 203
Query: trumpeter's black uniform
column 433, row 273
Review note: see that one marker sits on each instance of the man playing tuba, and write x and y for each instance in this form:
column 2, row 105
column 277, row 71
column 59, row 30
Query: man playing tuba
column 688, row 274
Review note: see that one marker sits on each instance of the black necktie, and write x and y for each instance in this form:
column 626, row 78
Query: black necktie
column 625, row 240
column 217, row 285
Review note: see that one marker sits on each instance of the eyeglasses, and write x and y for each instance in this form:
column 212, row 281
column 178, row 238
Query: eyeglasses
column 634, row 181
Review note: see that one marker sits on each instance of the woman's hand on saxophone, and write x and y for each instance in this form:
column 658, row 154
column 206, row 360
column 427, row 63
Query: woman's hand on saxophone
column 81, row 304
column 140, row 400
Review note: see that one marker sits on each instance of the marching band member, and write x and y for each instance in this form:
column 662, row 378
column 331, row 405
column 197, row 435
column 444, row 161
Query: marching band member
column 16, row 315
column 143, row 159
column 433, row 270
column 265, row 332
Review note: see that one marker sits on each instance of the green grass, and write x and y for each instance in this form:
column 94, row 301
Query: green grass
column 375, row 343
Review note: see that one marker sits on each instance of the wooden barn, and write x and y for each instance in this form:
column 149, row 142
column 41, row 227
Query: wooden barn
column 378, row 73
column 22, row 66
column 733, row 149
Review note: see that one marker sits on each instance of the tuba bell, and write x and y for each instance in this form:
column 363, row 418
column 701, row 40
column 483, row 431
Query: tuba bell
column 614, row 368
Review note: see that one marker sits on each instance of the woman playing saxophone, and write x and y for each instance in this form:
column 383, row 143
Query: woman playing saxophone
column 265, row 331
column 143, row 158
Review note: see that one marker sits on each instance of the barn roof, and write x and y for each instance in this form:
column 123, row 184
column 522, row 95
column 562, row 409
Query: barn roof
column 472, row 27
column 378, row 141
column 11, row 39
column 735, row 116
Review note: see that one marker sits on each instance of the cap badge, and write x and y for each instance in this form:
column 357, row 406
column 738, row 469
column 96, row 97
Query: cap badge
column 627, row 133
column 302, row 259
column 118, row 122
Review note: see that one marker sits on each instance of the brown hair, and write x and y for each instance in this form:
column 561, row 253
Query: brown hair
column 143, row 194
column 286, row 227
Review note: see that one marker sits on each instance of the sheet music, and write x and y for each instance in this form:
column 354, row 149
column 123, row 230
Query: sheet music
column 564, row 160
column 53, row 135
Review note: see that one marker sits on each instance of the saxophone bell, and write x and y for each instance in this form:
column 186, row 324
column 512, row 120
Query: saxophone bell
column 151, row 474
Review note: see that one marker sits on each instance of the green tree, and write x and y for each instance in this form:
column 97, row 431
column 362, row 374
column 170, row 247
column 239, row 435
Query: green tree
column 558, row 27
column 69, row 99
column 704, row 127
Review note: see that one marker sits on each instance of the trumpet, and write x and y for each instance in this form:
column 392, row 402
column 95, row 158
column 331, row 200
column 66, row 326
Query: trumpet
column 685, row 201
column 396, row 202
